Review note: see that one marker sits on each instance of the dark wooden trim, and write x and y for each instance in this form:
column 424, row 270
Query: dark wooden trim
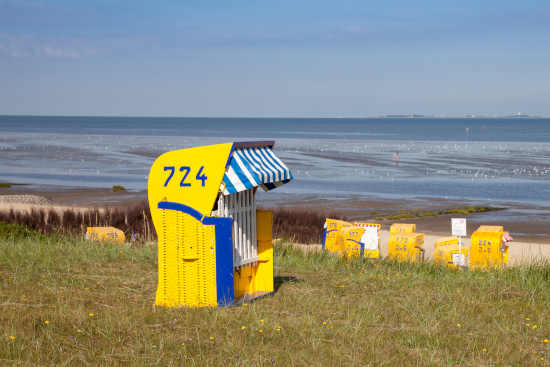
column 254, row 144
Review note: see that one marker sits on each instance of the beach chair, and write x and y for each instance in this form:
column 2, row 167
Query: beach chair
column 489, row 247
column 214, row 247
column 105, row 234
column 352, row 239
column 446, row 252
column 404, row 244
column 332, row 235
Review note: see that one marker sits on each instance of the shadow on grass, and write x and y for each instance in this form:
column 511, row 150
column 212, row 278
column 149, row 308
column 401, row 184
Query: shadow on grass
column 280, row 280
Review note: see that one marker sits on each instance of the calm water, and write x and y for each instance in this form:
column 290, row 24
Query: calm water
column 497, row 160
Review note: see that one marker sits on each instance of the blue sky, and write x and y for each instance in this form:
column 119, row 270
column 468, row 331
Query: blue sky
column 277, row 58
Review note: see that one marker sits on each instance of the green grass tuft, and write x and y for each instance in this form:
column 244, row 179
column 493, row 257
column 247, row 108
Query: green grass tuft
column 5, row 184
column 117, row 188
column 17, row 232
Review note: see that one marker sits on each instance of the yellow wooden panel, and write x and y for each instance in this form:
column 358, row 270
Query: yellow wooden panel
column 406, row 247
column 402, row 228
column 351, row 237
column 264, row 272
column 257, row 278
column 110, row 234
column 333, row 239
column 486, row 249
column 444, row 250
column 485, row 228
column 187, row 261
column 188, row 176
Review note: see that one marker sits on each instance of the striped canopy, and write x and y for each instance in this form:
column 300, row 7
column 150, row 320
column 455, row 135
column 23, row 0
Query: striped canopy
column 254, row 164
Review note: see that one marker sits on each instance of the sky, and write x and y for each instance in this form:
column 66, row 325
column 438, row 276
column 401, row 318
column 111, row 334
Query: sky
column 274, row 58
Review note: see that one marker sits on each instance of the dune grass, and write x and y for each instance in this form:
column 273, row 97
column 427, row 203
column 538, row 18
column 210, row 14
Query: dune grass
column 117, row 188
column 66, row 302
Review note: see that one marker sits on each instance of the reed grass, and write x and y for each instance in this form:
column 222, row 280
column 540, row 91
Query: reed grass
column 294, row 225
column 135, row 221
column 302, row 226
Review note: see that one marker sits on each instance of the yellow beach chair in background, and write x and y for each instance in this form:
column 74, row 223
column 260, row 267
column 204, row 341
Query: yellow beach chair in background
column 110, row 234
column 355, row 239
column 445, row 252
column 489, row 247
column 404, row 244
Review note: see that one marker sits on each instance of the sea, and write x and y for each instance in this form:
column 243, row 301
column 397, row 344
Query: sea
column 485, row 160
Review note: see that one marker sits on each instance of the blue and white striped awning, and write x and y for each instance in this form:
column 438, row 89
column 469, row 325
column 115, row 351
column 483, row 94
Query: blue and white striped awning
column 252, row 165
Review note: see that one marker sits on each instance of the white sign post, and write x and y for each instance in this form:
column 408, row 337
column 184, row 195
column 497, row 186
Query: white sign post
column 458, row 226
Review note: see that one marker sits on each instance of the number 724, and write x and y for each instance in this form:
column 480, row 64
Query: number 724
column 185, row 170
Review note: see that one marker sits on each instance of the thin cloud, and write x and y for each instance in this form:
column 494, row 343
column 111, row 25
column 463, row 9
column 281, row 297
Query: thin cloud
column 27, row 46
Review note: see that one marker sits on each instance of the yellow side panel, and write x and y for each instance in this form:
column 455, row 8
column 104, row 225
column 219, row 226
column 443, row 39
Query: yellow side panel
column 243, row 280
column 258, row 277
column 351, row 236
column 485, row 228
column 111, row 234
column 485, row 250
column 333, row 240
column 264, row 272
column 406, row 247
column 372, row 254
column 444, row 250
column 187, row 262
column 402, row 228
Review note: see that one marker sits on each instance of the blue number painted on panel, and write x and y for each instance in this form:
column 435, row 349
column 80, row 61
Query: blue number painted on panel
column 200, row 176
column 172, row 170
column 186, row 169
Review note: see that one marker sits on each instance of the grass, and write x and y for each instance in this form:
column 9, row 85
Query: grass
column 117, row 188
column 5, row 185
column 65, row 302
column 420, row 214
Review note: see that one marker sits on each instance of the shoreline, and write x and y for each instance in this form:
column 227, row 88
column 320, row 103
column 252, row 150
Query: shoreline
column 525, row 223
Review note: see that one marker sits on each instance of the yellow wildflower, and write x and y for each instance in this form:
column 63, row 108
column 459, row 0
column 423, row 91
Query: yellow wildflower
column 527, row 319
column 12, row 337
column 245, row 304
column 91, row 314
column 278, row 328
column 484, row 349
column 78, row 330
column 324, row 322
column 211, row 338
column 183, row 344
column 260, row 331
column 545, row 340
column 243, row 327
column 535, row 326
column 46, row 322
column 262, row 321
column 458, row 325
column 527, row 325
